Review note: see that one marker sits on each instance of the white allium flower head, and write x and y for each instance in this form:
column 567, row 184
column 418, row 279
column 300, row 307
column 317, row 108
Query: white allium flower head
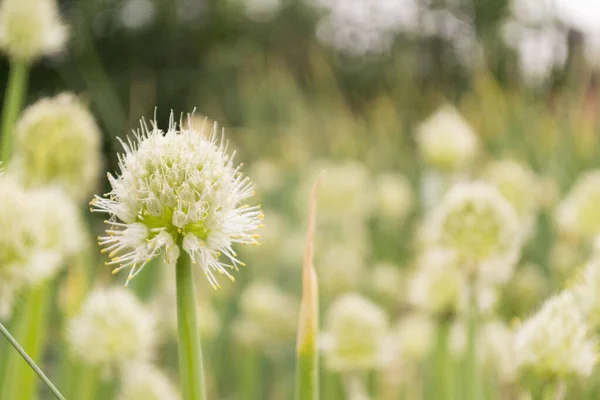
column 31, row 28
column 178, row 191
column 112, row 329
column 413, row 337
column 268, row 316
column 356, row 335
column 39, row 230
column 578, row 215
column 58, row 141
column 146, row 382
column 555, row 342
column 519, row 185
column 479, row 224
column 446, row 141
column 436, row 285
column 587, row 292
column 394, row 196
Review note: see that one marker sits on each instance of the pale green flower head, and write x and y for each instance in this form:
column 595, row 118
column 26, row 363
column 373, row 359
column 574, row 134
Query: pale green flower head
column 578, row 215
column 477, row 222
column 446, row 141
column 178, row 191
column 556, row 341
column 356, row 335
column 436, row 285
column 394, row 196
column 146, row 382
column 113, row 328
column 39, row 230
column 30, row 29
column 57, row 141
column 519, row 185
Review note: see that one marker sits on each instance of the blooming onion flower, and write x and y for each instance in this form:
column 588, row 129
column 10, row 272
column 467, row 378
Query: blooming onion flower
column 178, row 190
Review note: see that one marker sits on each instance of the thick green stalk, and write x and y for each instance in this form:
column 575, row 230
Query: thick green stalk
column 443, row 363
column 31, row 363
column 13, row 100
column 191, row 370
column 31, row 326
column 250, row 388
column 471, row 367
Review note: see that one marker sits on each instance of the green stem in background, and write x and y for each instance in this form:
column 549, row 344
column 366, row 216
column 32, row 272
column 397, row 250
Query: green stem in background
column 471, row 367
column 31, row 363
column 87, row 384
column 190, row 354
column 443, row 362
column 556, row 390
column 31, row 325
column 13, row 100
column 251, row 374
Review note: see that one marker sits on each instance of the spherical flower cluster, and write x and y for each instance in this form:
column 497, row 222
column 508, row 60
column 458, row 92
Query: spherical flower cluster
column 518, row 184
column 146, row 382
column 31, row 28
column 177, row 191
column 394, row 196
column 476, row 222
column 268, row 316
column 555, row 341
column 386, row 281
column 39, row 230
column 344, row 189
column 446, row 141
column 356, row 334
column 497, row 343
column 58, row 141
column 413, row 337
column 112, row 329
column 578, row 215
column 436, row 285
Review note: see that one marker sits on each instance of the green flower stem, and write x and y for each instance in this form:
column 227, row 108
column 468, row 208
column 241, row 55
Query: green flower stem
column 191, row 370
column 251, row 374
column 13, row 100
column 471, row 362
column 31, row 325
column 86, row 386
column 443, row 362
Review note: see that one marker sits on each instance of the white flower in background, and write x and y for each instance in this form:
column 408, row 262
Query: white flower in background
column 587, row 292
column 39, row 230
column 146, row 382
column 356, row 335
column 344, row 190
column 555, row 342
column 436, row 285
column 58, row 141
column 177, row 191
column 578, row 215
column 394, row 196
column 518, row 184
column 341, row 269
column 446, row 141
column 387, row 282
column 479, row 224
column 268, row 316
column 31, row 28
column 498, row 354
column 112, row 329
column 413, row 337
column 164, row 301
